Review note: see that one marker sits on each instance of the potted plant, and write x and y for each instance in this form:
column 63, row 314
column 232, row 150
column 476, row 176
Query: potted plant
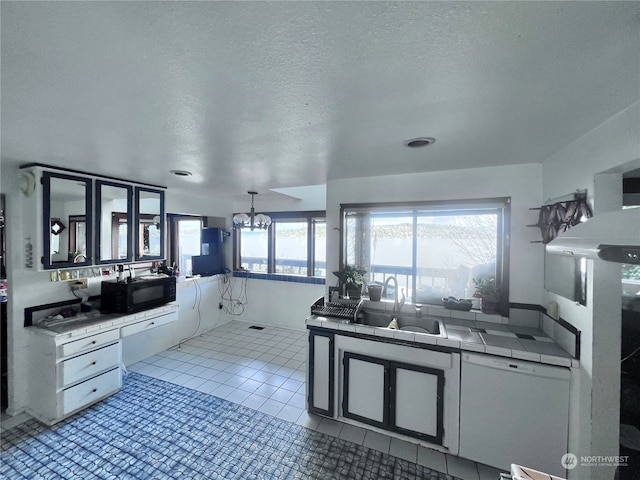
column 353, row 279
column 489, row 292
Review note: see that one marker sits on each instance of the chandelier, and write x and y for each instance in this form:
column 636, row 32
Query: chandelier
column 251, row 220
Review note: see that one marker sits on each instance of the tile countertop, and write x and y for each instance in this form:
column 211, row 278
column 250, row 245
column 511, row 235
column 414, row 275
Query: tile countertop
column 493, row 338
column 95, row 321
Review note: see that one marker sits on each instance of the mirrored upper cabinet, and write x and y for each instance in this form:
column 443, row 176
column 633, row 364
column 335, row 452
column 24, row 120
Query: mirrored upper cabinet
column 114, row 221
column 83, row 219
column 149, row 221
column 67, row 220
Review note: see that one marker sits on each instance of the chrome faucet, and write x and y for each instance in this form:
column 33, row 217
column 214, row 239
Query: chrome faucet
column 397, row 306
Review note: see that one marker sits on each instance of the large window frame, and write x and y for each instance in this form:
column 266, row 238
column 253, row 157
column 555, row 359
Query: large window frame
column 499, row 205
column 312, row 218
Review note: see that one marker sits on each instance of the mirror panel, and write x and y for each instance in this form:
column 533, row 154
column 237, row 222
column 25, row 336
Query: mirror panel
column 149, row 223
column 566, row 276
column 114, row 222
column 67, row 220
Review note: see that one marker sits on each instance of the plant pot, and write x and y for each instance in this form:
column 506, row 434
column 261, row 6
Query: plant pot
column 354, row 291
column 375, row 292
column 488, row 305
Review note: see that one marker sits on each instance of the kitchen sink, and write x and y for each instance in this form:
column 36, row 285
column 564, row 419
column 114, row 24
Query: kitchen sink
column 420, row 325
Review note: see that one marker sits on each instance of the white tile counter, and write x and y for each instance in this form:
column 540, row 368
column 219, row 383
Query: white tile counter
column 470, row 331
column 94, row 321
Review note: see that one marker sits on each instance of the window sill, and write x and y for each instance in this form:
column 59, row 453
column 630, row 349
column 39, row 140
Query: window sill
column 279, row 277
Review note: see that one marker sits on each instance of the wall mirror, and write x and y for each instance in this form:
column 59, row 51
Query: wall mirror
column 149, row 222
column 77, row 238
column 566, row 276
column 114, row 221
column 67, row 220
column 56, row 229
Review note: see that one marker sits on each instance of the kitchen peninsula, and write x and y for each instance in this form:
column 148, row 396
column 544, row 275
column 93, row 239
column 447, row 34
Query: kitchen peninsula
column 449, row 389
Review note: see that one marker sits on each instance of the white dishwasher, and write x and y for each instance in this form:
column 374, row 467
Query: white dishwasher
column 513, row 411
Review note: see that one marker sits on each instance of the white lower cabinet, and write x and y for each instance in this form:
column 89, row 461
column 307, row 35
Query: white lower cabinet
column 71, row 370
column 67, row 375
column 396, row 396
column 88, row 342
column 90, row 391
column 87, row 365
column 407, row 391
column 149, row 323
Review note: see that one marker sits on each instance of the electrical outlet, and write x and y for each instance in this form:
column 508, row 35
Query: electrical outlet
column 79, row 283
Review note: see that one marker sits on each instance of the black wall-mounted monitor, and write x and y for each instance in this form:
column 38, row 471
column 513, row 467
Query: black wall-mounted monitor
column 207, row 265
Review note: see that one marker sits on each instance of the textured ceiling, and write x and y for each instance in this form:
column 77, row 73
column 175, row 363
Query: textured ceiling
column 283, row 94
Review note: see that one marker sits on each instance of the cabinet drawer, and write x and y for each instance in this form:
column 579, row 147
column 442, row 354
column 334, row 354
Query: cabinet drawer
column 89, row 364
column 91, row 342
column 149, row 323
column 90, row 391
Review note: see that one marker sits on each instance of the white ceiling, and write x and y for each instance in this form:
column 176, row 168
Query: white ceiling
column 255, row 96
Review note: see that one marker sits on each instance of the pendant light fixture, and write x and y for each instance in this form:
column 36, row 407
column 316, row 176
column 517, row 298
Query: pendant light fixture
column 251, row 220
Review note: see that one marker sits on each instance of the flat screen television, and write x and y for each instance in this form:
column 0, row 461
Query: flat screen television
column 206, row 265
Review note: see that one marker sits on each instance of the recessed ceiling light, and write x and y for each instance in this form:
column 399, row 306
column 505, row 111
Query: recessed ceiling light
column 181, row 173
column 419, row 142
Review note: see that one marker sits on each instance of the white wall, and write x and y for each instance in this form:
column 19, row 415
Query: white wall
column 276, row 303
column 613, row 147
column 520, row 182
column 26, row 288
column 198, row 313
column 182, row 203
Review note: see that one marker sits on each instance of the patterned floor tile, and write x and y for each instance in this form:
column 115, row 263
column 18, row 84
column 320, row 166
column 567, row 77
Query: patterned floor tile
column 158, row 430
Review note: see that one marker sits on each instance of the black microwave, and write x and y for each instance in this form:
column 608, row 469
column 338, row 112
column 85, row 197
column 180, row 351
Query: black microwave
column 137, row 294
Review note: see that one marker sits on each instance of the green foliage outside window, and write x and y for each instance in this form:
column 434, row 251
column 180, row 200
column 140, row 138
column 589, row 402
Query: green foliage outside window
column 630, row 272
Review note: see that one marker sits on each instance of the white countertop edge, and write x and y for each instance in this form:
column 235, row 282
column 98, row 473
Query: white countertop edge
column 110, row 324
column 383, row 332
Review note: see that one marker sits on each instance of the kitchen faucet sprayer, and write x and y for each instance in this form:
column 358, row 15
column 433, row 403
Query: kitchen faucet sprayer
column 397, row 306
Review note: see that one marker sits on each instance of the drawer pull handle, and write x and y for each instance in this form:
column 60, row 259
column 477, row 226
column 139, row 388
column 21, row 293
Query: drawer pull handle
column 94, row 390
column 93, row 343
column 153, row 323
column 93, row 363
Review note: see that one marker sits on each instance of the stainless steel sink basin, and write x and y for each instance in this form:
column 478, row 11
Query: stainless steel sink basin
column 421, row 325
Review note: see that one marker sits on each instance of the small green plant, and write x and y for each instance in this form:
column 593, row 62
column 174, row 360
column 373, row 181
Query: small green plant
column 351, row 275
column 487, row 287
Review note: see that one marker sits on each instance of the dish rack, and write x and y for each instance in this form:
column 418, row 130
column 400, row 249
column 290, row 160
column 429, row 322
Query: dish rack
column 342, row 308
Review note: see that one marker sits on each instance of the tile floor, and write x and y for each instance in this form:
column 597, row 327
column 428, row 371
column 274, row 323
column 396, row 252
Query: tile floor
column 265, row 370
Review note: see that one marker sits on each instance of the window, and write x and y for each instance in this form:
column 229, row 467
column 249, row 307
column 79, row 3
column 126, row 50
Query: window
column 294, row 244
column 434, row 249
column 254, row 249
column 185, row 237
column 291, row 238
